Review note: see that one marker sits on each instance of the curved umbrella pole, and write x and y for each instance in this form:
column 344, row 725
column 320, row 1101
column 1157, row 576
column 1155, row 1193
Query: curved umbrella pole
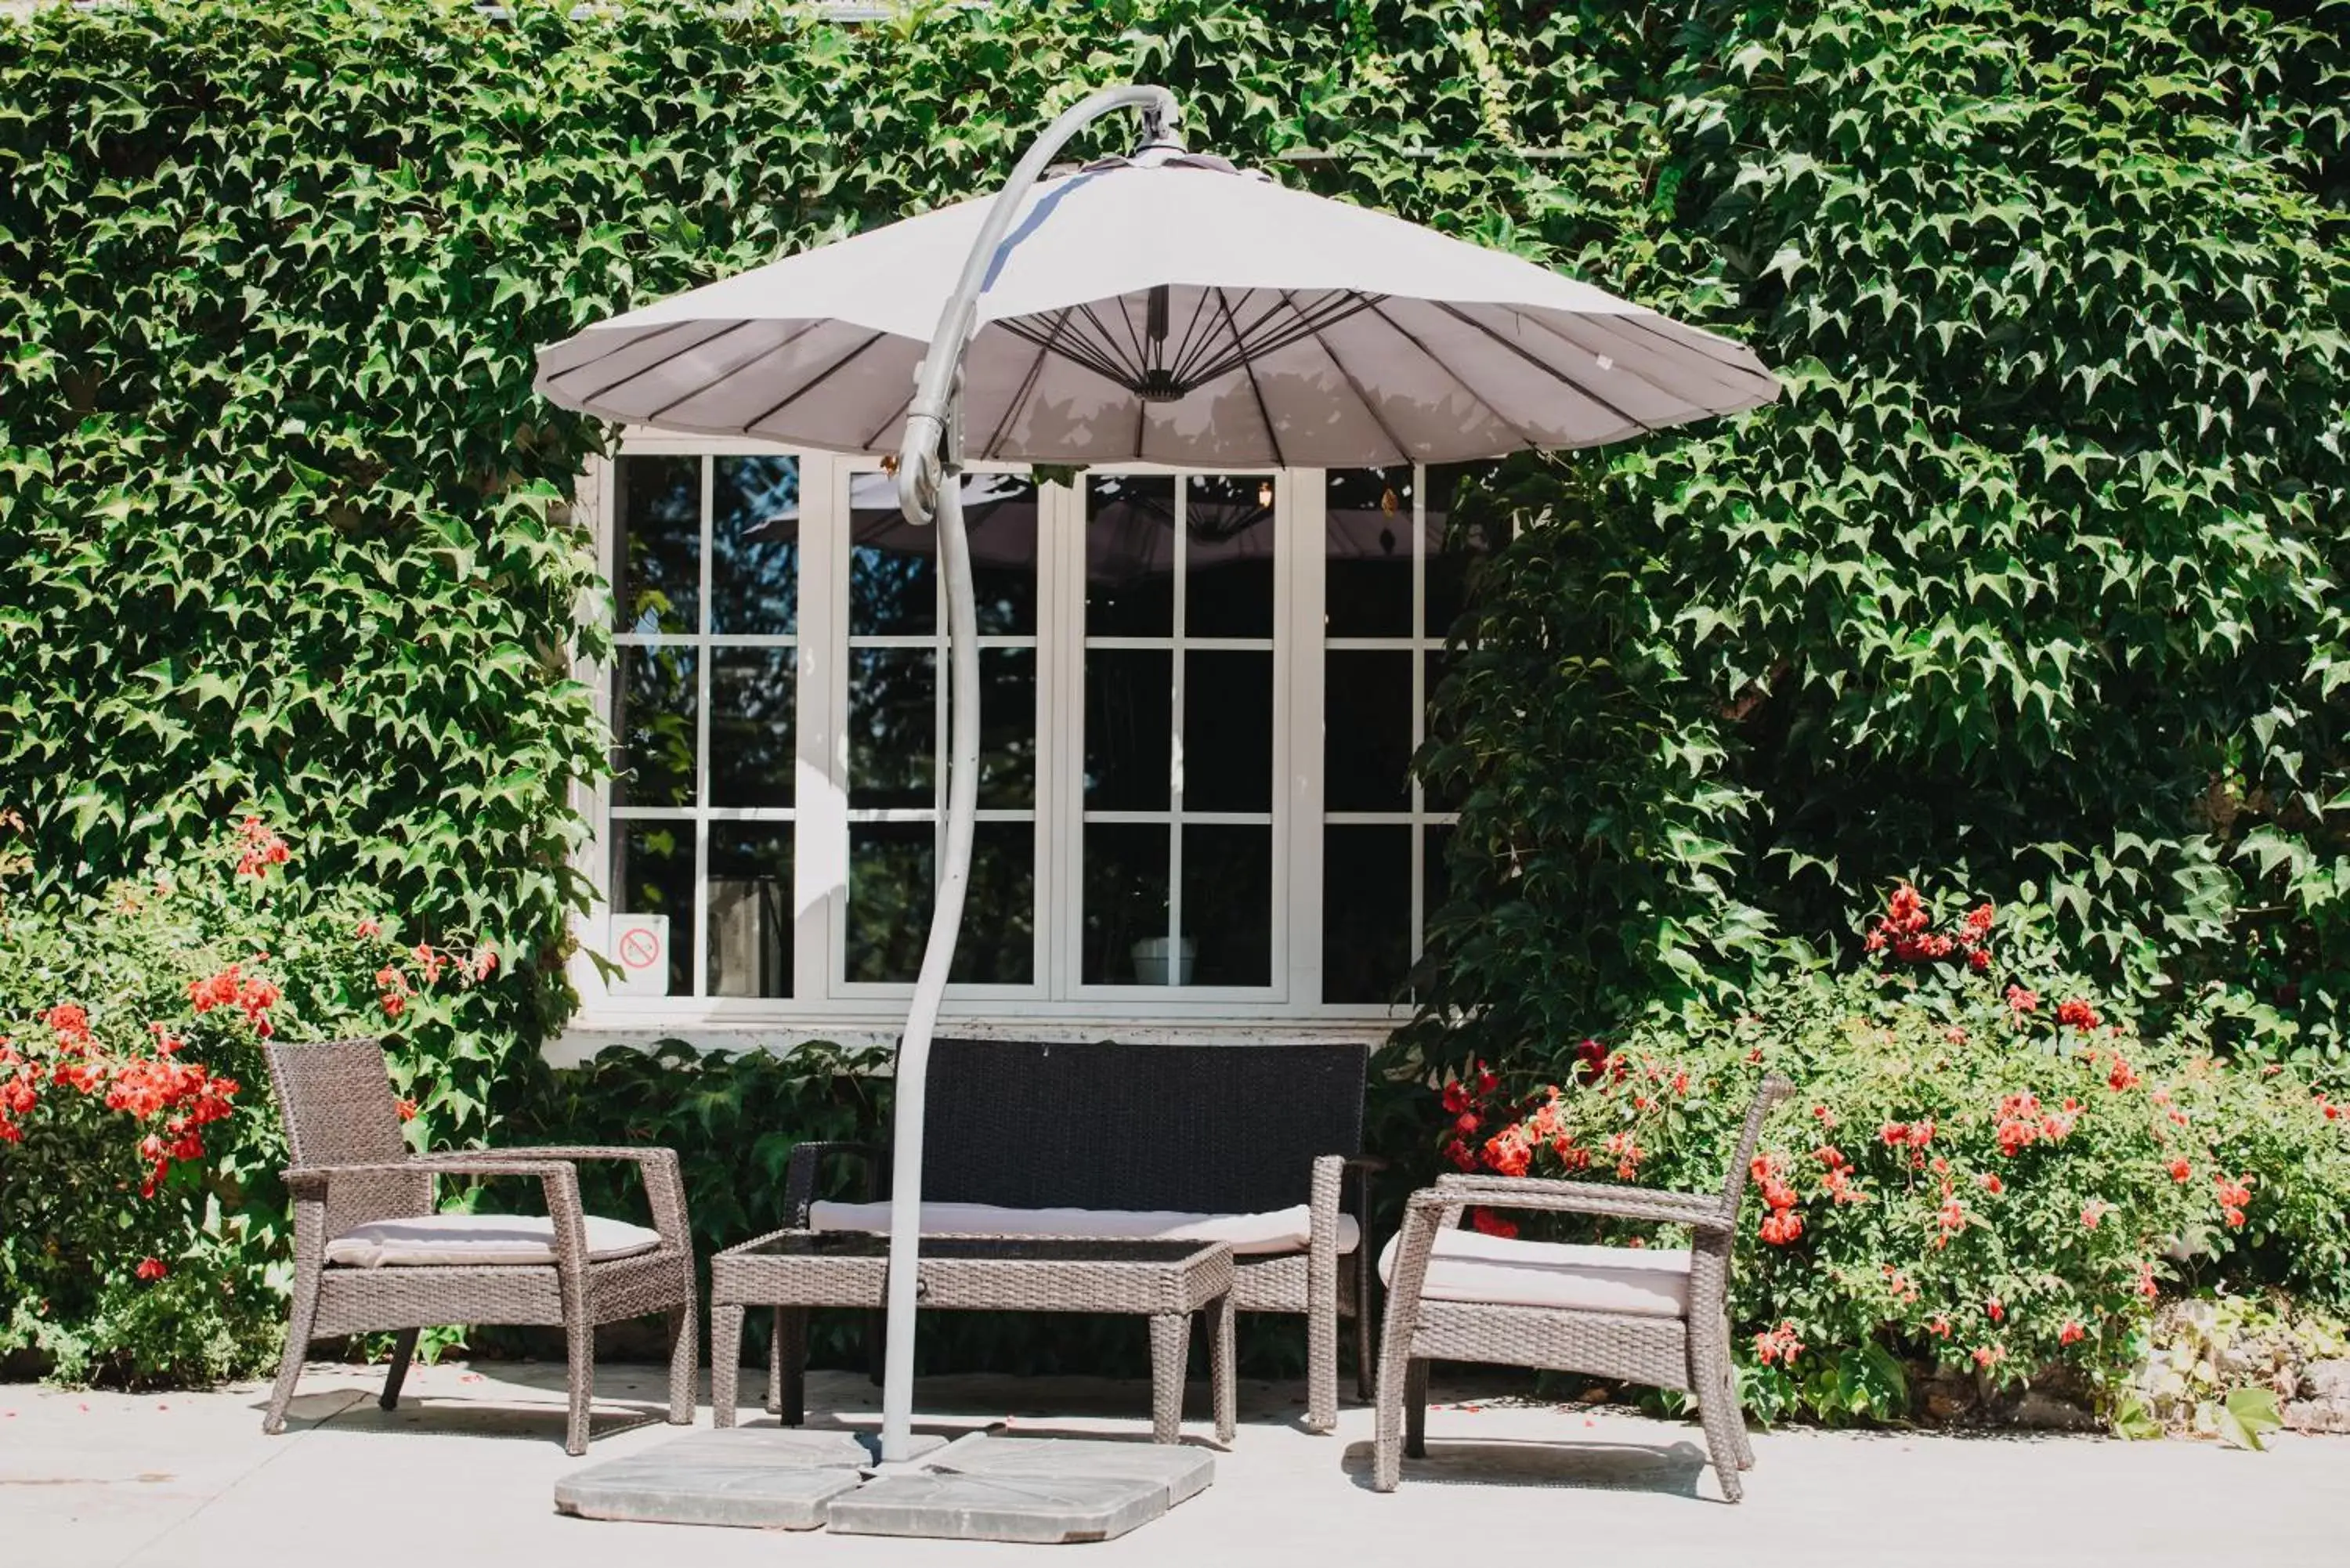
column 930, row 466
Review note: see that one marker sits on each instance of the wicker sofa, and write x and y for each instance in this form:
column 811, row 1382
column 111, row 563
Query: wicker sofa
column 1258, row 1145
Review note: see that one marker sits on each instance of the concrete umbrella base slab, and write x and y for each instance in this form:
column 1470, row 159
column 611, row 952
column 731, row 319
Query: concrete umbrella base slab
column 1034, row 1490
column 755, row 1478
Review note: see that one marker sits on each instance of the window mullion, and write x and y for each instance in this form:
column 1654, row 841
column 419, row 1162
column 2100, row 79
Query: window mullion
column 1176, row 773
column 1418, row 833
column 700, row 908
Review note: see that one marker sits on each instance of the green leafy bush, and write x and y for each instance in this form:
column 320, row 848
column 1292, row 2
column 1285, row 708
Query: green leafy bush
column 145, row 1235
column 1986, row 1167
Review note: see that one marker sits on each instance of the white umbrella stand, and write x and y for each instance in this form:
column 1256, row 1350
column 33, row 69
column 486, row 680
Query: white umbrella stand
column 1164, row 307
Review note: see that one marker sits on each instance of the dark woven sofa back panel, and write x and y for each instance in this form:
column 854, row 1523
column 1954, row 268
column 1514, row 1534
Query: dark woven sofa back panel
column 1205, row 1128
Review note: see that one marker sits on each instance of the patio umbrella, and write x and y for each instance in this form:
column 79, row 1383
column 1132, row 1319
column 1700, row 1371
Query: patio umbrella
column 1161, row 307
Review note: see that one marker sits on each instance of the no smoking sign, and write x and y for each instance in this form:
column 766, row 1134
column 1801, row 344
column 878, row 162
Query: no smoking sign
column 639, row 945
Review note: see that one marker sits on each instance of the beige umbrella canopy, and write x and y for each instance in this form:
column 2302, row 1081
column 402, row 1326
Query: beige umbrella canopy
column 1164, row 308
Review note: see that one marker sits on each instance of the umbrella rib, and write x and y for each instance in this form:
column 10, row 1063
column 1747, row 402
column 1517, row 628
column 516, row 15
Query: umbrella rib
column 1028, row 386
column 1077, row 351
column 1354, row 386
column 1702, row 345
column 810, row 385
column 1185, row 363
column 1264, row 414
column 1545, row 366
column 656, row 334
column 1662, row 390
column 1475, row 396
column 1705, row 364
column 671, row 358
column 656, row 415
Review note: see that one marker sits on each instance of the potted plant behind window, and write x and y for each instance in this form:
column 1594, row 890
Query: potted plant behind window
column 1150, row 964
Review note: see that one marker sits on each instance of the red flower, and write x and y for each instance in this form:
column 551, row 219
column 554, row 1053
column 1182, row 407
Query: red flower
column 407, row 1108
column 1456, row 1098
column 2233, row 1196
column 2071, row 1333
column 1979, row 961
column 2076, row 1014
column 1990, row 1355
column 1487, row 1080
column 1992, row 1183
column 2180, row 1170
column 1894, row 1135
column 369, row 929
column 262, row 850
column 1508, row 1152
column 2145, row 1285
column 1778, row 1344
column 1781, row 1226
column 151, row 1269
column 1466, row 1123
column 1494, row 1224
column 2122, row 1077
column 2022, row 1002
column 2093, row 1211
column 1979, row 919
column 1461, row 1155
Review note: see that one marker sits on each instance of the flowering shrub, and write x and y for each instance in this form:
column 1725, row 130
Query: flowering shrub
column 1971, row 1175
column 140, row 1213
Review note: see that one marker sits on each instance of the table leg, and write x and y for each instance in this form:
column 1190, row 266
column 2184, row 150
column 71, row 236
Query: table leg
column 1221, row 1374
column 725, row 1361
column 1171, row 1340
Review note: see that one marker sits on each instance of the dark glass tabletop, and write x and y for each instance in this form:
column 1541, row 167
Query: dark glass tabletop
column 992, row 1249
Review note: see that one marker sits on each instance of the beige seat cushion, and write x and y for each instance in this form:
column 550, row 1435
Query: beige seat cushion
column 1470, row 1266
column 1275, row 1231
column 474, row 1240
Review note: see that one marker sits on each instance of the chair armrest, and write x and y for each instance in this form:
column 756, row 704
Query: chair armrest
column 559, row 1179
column 1579, row 1198
column 664, row 1186
column 800, row 1175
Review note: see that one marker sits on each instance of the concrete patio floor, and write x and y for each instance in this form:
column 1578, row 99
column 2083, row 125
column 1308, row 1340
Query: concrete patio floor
column 462, row 1474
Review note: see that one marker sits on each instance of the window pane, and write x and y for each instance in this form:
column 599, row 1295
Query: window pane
column 999, row 512
column 1366, row 911
column 751, row 759
column 1228, row 903
column 1445, row 795
column 1129, row 728
column 1450, row 559
column 1436, row 878
column 1130, row 554
column 1368, row 592
column 657, row 524
column 1227, row 731
column 890, row 878
column 893, row 586
column 1366, row 731
column 750, row 909
column 894, row 726
column 1126, row 903
column 1229, row 555
column 1007, row 727
column 653, row 701
column 998, row 946
column 652, row 873
column 755, row 546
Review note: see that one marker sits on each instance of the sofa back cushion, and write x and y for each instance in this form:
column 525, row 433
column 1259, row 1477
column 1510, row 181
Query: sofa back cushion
column 1222, row 1130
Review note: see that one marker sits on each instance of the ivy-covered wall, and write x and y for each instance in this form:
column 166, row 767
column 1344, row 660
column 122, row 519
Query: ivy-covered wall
column 2031, row 584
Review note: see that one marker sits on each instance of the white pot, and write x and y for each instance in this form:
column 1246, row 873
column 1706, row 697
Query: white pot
column 1150, row 964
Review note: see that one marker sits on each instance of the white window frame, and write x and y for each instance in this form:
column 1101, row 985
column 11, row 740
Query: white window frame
column 1055, row 1002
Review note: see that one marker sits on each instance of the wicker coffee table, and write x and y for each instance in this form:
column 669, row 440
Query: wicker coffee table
column 793, row 1271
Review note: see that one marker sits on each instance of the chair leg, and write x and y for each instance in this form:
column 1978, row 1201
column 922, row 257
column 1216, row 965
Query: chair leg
column 684, row 1355
column 1366, row 1349
column 726, row 1362
column 1220, row 1370
column 579, row 1342
column 404, row 1347
column 1716, row 1410
column 787, row 1366
column 301, row 1313
column 1415, row 1409
column 1322, row 1361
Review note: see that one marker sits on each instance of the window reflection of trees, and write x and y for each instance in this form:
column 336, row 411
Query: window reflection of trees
column 755, row 546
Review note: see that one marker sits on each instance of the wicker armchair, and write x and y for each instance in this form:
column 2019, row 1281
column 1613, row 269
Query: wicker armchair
column 1643, row 1314
column 371, row 1255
